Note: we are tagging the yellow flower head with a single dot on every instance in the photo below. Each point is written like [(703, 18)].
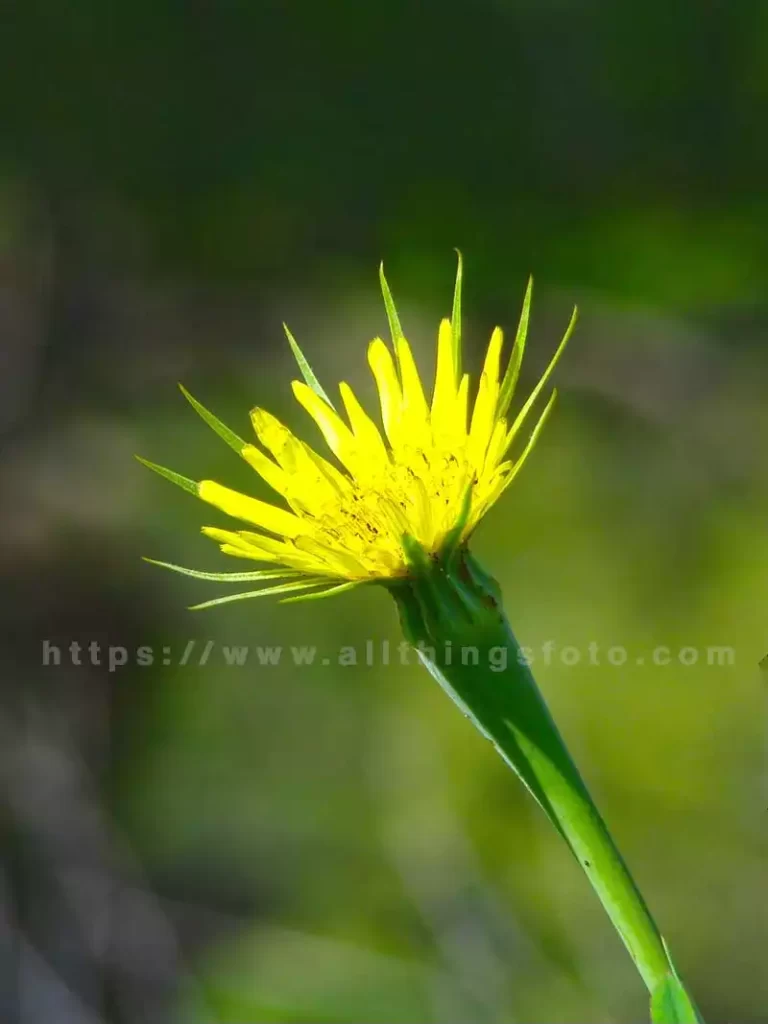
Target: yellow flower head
[(426, 480)]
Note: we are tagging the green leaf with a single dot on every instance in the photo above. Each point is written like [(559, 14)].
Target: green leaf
[(226, 577), (319, 594), (545, 376), (389, 305), (456, 320), (283, 588), (176, 478), (512, 372), (519, 462), (231, 438), (670, 1003), (306, 370)]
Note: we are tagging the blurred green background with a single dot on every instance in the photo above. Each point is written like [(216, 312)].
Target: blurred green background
[(190, 843)]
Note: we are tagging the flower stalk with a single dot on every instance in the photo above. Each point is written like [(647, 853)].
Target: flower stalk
[(453, 605)]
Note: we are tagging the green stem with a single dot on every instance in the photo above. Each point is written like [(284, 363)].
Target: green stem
[(458, 606)]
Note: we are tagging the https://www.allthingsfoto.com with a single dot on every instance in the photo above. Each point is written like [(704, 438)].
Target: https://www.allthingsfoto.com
[(373, 653)]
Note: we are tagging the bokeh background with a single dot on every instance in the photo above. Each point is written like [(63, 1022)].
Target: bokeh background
[(187, 843)]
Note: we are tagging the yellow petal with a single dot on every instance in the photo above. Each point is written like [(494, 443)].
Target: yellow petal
[(276, 520), (337, 434), (313, 480), (415, 412), (283, 550), (444, 395), (335, 560), (363, 427), (266, 468), (484, 413), (273, 434), (391, 398), (460, 408), (260, 548), (235, 543), (326, 476), (246, 552), (422, 513), (231, 537)]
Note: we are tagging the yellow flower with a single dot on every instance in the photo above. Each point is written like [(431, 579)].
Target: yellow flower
[(428, 478)]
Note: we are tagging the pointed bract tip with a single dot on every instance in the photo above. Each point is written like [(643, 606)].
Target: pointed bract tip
[(393, 319), (306, 370), (175, 478)]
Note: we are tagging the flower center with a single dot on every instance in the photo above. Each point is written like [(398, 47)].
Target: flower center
[(420, 494)]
